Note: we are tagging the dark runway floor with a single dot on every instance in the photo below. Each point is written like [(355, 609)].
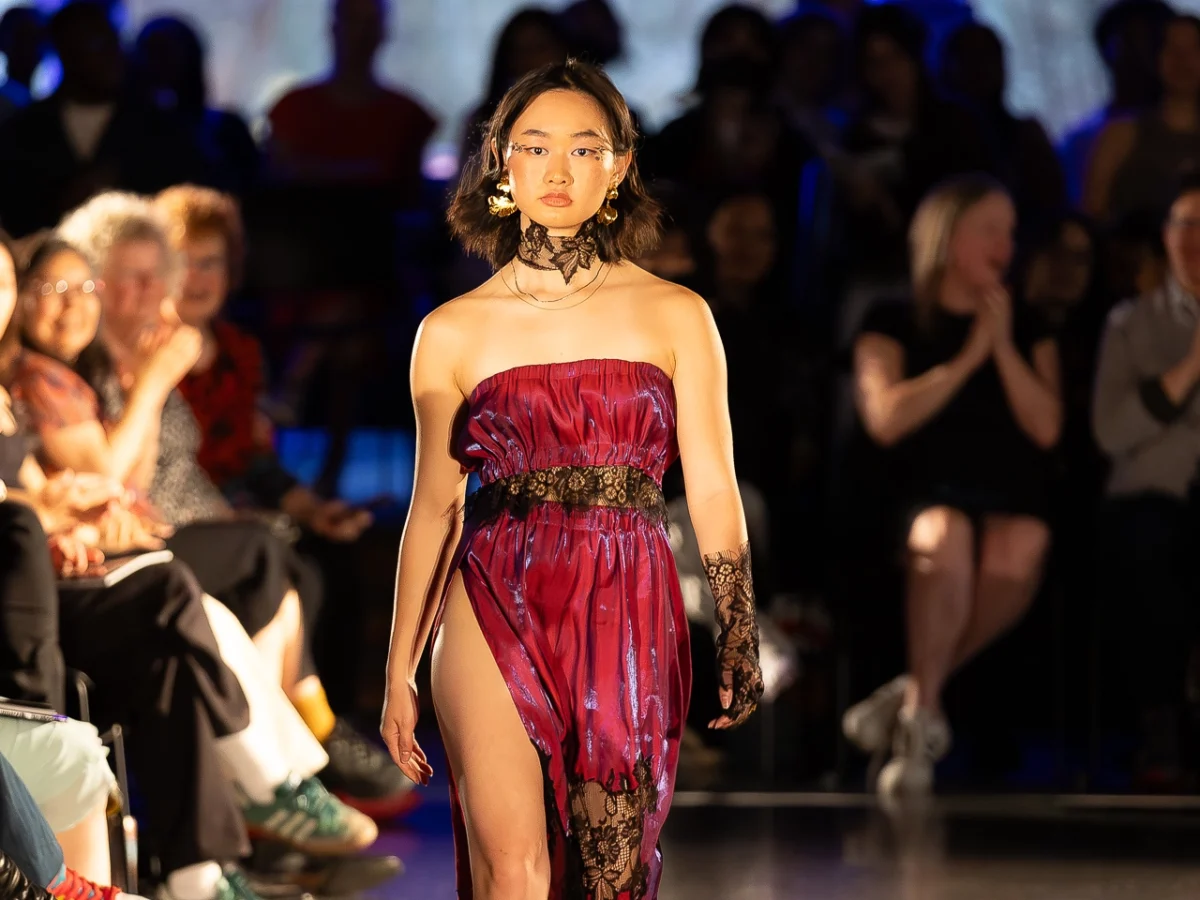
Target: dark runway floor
[(835, 846)]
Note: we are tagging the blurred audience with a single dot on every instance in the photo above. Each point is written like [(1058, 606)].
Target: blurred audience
[(532, 38), (1127, 35), (88, 136), (964, 390), (23, 43), (349, 128), (973, 72), (1147, 419), (168, 72), (903, 140), (1138, 159)]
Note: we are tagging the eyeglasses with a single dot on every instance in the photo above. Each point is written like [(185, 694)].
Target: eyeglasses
[(64, 288)]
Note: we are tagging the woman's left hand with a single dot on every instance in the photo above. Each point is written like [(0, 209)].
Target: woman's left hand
[(71, 555), (998, 305)]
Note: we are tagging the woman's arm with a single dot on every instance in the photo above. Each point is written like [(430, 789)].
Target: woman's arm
[(433, 527), (715, 503), (1033, 391), (892, 406), (119, 453)]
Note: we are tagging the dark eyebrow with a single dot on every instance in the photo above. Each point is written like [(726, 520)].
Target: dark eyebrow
[(588, 133)]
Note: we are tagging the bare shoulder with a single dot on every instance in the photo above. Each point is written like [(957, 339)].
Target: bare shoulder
[(449, 330), (677, 304)]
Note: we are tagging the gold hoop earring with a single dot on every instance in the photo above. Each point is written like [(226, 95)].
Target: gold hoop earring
[(607, 214), (502, 204)]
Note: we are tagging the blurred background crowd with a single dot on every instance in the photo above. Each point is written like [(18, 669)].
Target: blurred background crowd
[(303, 250)]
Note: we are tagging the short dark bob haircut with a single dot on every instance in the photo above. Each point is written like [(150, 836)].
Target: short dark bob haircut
[(636, 230)]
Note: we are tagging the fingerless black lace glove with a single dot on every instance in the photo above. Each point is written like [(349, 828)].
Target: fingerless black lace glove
[(737, 643)]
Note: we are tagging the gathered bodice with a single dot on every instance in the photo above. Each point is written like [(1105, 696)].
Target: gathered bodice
[(595, 412)]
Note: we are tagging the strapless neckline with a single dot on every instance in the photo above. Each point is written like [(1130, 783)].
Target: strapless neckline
[(575, 368)]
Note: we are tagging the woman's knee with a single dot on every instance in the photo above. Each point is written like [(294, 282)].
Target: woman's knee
[(941, 541), (1014, 549), (516, 874)]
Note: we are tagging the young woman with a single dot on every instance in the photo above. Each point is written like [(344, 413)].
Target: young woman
[(965, 391), (569, 380)]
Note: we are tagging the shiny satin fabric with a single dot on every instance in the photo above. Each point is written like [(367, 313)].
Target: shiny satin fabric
[(582, 611)]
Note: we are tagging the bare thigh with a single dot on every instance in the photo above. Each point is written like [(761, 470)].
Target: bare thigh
[(496, 769)]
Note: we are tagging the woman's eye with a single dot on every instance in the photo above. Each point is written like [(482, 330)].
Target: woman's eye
[(586, 151)]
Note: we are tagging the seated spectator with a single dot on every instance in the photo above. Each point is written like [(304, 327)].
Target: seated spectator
[(32, 865), (23, 43), (87, 136), (147, 644), (130, 385), (964, 389), (974, 72), (227, 381), (532, 38), (169, 74), (223, 390), (65, 767), (1140, 158), (904, 140), (1127, 35), (1146, 417), (349, 128)]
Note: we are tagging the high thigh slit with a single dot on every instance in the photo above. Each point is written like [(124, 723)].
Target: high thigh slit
[(567, 567)]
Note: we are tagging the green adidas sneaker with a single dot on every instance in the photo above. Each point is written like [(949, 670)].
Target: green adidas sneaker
[(308, 818)]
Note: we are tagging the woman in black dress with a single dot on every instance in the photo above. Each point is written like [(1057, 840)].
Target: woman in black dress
[(964, 391)]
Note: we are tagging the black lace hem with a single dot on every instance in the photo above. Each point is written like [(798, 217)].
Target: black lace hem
[(572, 487)]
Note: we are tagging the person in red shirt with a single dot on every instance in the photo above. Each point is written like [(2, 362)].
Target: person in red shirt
[(349, 128), (223, 390)]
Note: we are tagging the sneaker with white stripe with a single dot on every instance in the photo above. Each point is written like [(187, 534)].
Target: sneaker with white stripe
[(307, 817)]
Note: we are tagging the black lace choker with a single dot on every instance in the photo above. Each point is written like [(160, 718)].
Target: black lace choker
[(539, 250)]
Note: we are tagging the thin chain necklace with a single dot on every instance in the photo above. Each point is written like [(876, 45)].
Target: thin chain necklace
[(571, 293), (542, 304)]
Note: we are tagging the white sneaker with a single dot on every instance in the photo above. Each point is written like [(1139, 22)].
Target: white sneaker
[(869, 724), (921, 739)]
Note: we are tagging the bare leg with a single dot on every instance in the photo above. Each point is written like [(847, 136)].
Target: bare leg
[(941, 552), (279, 640), (85, 847), (1012, 551), (496, 769)]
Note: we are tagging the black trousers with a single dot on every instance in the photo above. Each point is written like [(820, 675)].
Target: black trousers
[(147, 645), (249, 569), (1150, 596)]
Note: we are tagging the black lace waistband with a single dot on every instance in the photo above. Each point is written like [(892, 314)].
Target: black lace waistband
[(572, 487)]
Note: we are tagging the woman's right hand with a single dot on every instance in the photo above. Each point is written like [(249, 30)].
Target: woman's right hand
[(398, 726), (170, 354), (978, 348)]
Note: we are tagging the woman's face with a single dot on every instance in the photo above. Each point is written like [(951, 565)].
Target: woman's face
[(135, 285), (63, 312), (981, 247), (1061, 272), (742, 236), (560, 160), (1179, 60), (889, 73), (206, 279)]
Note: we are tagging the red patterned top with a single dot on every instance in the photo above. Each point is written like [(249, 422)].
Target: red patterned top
[(53, 395), (224, 399)]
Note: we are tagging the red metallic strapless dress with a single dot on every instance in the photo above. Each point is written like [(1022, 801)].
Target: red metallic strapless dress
[(566, 562)]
